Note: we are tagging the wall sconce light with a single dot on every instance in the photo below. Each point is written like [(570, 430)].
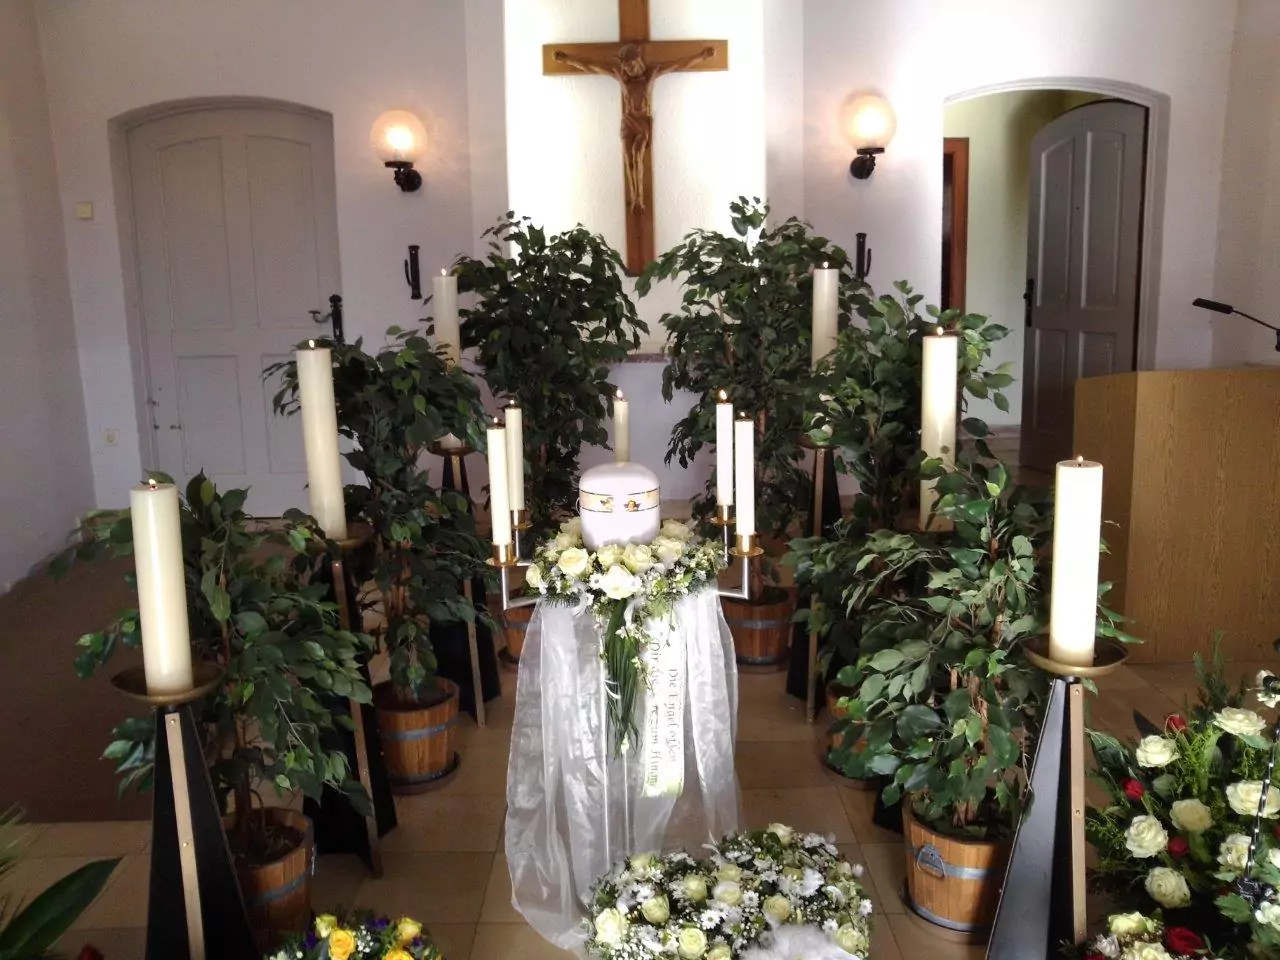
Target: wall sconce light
[(869, 124), (398, 138)]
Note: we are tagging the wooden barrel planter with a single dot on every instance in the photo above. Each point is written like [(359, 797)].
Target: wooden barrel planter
[(419, 740), (834, 692), (278, 894), (953, 884), (515, 623), (762, 631)]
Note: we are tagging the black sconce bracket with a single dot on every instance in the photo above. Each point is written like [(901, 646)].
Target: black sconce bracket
[(865, 162), (407, 178)]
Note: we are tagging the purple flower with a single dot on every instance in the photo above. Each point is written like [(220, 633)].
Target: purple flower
[(379, 924), (309, 942)]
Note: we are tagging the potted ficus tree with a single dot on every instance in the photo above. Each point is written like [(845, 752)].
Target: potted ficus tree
[(256, 612), (744, 326), (867, 403), (550, 314), (394, 405)]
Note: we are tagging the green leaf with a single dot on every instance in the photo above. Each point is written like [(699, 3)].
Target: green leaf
[(917, 721), (46, 918), (216, 595), (886, 660)]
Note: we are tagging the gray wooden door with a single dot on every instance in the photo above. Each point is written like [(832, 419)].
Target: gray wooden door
[(1083, 247), (237, 240)]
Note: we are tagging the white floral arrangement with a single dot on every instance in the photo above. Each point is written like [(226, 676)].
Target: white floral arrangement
[(1137, 936), (625, 587), (771, 894)]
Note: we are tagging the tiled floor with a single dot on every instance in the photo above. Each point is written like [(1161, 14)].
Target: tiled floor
[(445, 866)]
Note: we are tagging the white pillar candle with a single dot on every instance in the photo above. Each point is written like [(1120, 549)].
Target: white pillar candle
[(499, 498), (744, 451), (162, 587), (515, 455), (445, 299), (724, 451), (621, 429), (1077, 535), (320, 437), (938, 402), (826, 311)]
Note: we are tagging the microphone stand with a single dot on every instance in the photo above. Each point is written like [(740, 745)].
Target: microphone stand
[(1218, 307)]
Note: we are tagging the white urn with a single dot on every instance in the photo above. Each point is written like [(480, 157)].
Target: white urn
[(619, 503)]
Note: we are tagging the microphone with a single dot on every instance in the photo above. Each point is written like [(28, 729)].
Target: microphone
[(1213, 305), (1219, 307)]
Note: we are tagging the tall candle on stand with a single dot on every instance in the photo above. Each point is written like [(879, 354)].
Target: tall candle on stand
[(515, 455), (938, 401), (1077, 535), (320, 438), (162, 588), (621, 428), (499, 498), (826, 310), (724, 451), (445, 289), (744, 452)]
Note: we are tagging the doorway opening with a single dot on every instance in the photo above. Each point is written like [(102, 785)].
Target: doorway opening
[(1044, 207)]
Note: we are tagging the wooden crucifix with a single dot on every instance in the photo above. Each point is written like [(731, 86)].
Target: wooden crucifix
[(636, 62)]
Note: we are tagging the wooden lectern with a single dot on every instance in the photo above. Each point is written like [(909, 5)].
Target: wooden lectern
[(1191, 502)]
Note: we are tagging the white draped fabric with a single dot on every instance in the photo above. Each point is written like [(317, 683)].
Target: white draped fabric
[(574, 807)]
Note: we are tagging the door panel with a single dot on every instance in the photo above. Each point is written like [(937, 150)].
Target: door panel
[(1083, 244), (237, 241)]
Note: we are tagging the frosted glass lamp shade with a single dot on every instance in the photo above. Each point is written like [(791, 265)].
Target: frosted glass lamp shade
[(398, 136), (869, 121)]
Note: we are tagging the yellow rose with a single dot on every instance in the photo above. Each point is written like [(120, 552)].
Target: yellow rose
[(407, 929), (777, 908), (397, 954), (326, 923), (341, 944), (730, 871), (637, 557), (691, 943), (574, 562)]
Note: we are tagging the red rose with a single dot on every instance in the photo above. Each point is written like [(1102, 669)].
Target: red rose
[(1175, 722), (1179, 847), (1133, 790), (1183, 941)]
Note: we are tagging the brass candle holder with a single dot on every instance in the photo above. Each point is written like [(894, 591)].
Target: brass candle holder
[(195, 908)]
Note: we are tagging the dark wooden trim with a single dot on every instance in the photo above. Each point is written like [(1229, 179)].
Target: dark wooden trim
[(957, 148)]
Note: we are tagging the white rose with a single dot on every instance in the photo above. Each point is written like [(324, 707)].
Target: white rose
[(643, 862), (574, 562), (564, 541), (1130, 924), (784, 833), (1145, 951), (656, 909), (1265, 697), (777, 908), (619, 583), (572, 526), (1234, 852), (730, 871), (720, 951), (851, 940), (533, 577), (637, 557), (611, 927), (1246, 795), (1145, 837), (1268, 913), (727, 892), (676, 530), (695, 888), (668, 550), (1239, 721), (1191, 816), (609, 554), (1156, 751), (1168, 888), (691, 943)]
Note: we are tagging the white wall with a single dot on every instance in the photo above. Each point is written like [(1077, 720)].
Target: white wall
[(1249, 221), (104, 58), (918, 53), (999, 129), (45, 483)]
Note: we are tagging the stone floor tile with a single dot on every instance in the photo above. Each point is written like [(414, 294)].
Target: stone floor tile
[(114, 943), (430, 887), (779, 765), (440, 821), (887, 868), (812, 809), (509, 941), (497, 898), (336, 882), (115, 838)]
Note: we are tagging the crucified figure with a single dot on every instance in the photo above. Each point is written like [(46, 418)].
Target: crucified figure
[(636, 77)]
